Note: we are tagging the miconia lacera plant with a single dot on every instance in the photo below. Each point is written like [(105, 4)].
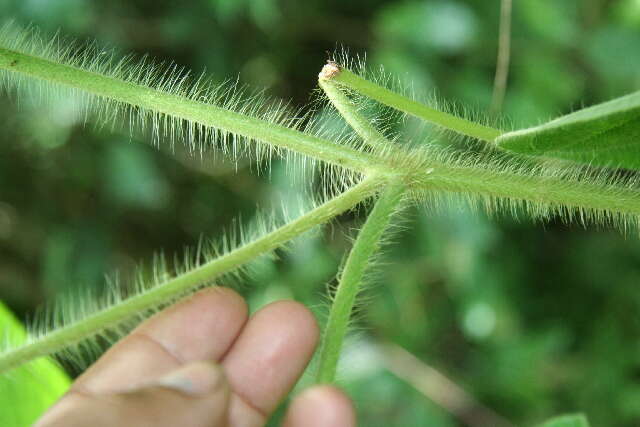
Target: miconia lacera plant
[(567, 168)]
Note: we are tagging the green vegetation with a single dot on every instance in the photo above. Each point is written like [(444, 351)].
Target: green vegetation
[(33, 387), (489, 309)]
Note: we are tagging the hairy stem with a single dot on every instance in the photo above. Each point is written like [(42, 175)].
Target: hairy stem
[(181, 107), (385, 96), (348, 111), (470, 178), (69, 334), (537, 190), (365, 246)]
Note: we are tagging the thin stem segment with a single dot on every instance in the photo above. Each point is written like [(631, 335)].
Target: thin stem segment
[(347, 109), (183, 108), (385, 96), (366, 244), (504, 53), (111, 316)]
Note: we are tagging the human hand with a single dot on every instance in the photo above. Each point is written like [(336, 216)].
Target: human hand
[(203, 362)]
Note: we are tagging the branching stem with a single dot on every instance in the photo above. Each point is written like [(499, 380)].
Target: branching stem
[(385, 96), (470, 178), (393, 169), (72, 333)]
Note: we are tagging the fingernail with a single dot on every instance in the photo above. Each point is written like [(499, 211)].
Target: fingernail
[(195, 379)]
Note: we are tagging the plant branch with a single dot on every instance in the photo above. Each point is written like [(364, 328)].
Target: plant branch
[(543, 192), (421, 175), (366, 244), (504, 53), (385, 96), (180, 285), (589, 198), (181, 107), (348, 111)]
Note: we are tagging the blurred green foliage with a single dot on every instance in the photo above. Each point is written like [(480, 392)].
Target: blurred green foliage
[(31, 388), (531, 319), (572, 420)]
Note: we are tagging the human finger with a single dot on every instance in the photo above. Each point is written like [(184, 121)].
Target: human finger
[(203, 327), (321, 406), (193, 395), (268, 358)]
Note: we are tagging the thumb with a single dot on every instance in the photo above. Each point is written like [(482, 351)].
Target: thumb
[(196, 394)]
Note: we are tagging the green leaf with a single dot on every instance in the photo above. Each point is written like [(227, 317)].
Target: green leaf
[(606, 134), (28, 391), (569, 420)]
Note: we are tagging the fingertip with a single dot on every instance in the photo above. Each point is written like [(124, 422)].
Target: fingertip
[(270, 355), (215, 296), (297, 314), (321, 406)]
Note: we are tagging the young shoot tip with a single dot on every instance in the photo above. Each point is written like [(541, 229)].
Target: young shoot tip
[(329, 71)]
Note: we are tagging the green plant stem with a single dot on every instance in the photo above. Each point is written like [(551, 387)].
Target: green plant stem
[(385, 96), (183, 108), (537, 190), (366, 244), (504, 54), (101, 320), (470, 178), (348, 111)]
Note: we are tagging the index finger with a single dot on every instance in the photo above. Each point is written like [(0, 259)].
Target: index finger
[(203, 327)]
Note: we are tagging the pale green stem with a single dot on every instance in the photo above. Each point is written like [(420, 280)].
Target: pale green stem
[(434, 176), (101, 320), (553, 191), (385, 96), (348, 111), (366, 244), (183, 108)]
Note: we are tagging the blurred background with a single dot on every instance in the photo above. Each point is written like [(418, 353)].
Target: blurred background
[(525, 320)]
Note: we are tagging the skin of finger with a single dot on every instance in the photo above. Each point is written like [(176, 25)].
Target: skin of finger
[(321, 406), (202, 327), (268, 358), (153, 406)]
